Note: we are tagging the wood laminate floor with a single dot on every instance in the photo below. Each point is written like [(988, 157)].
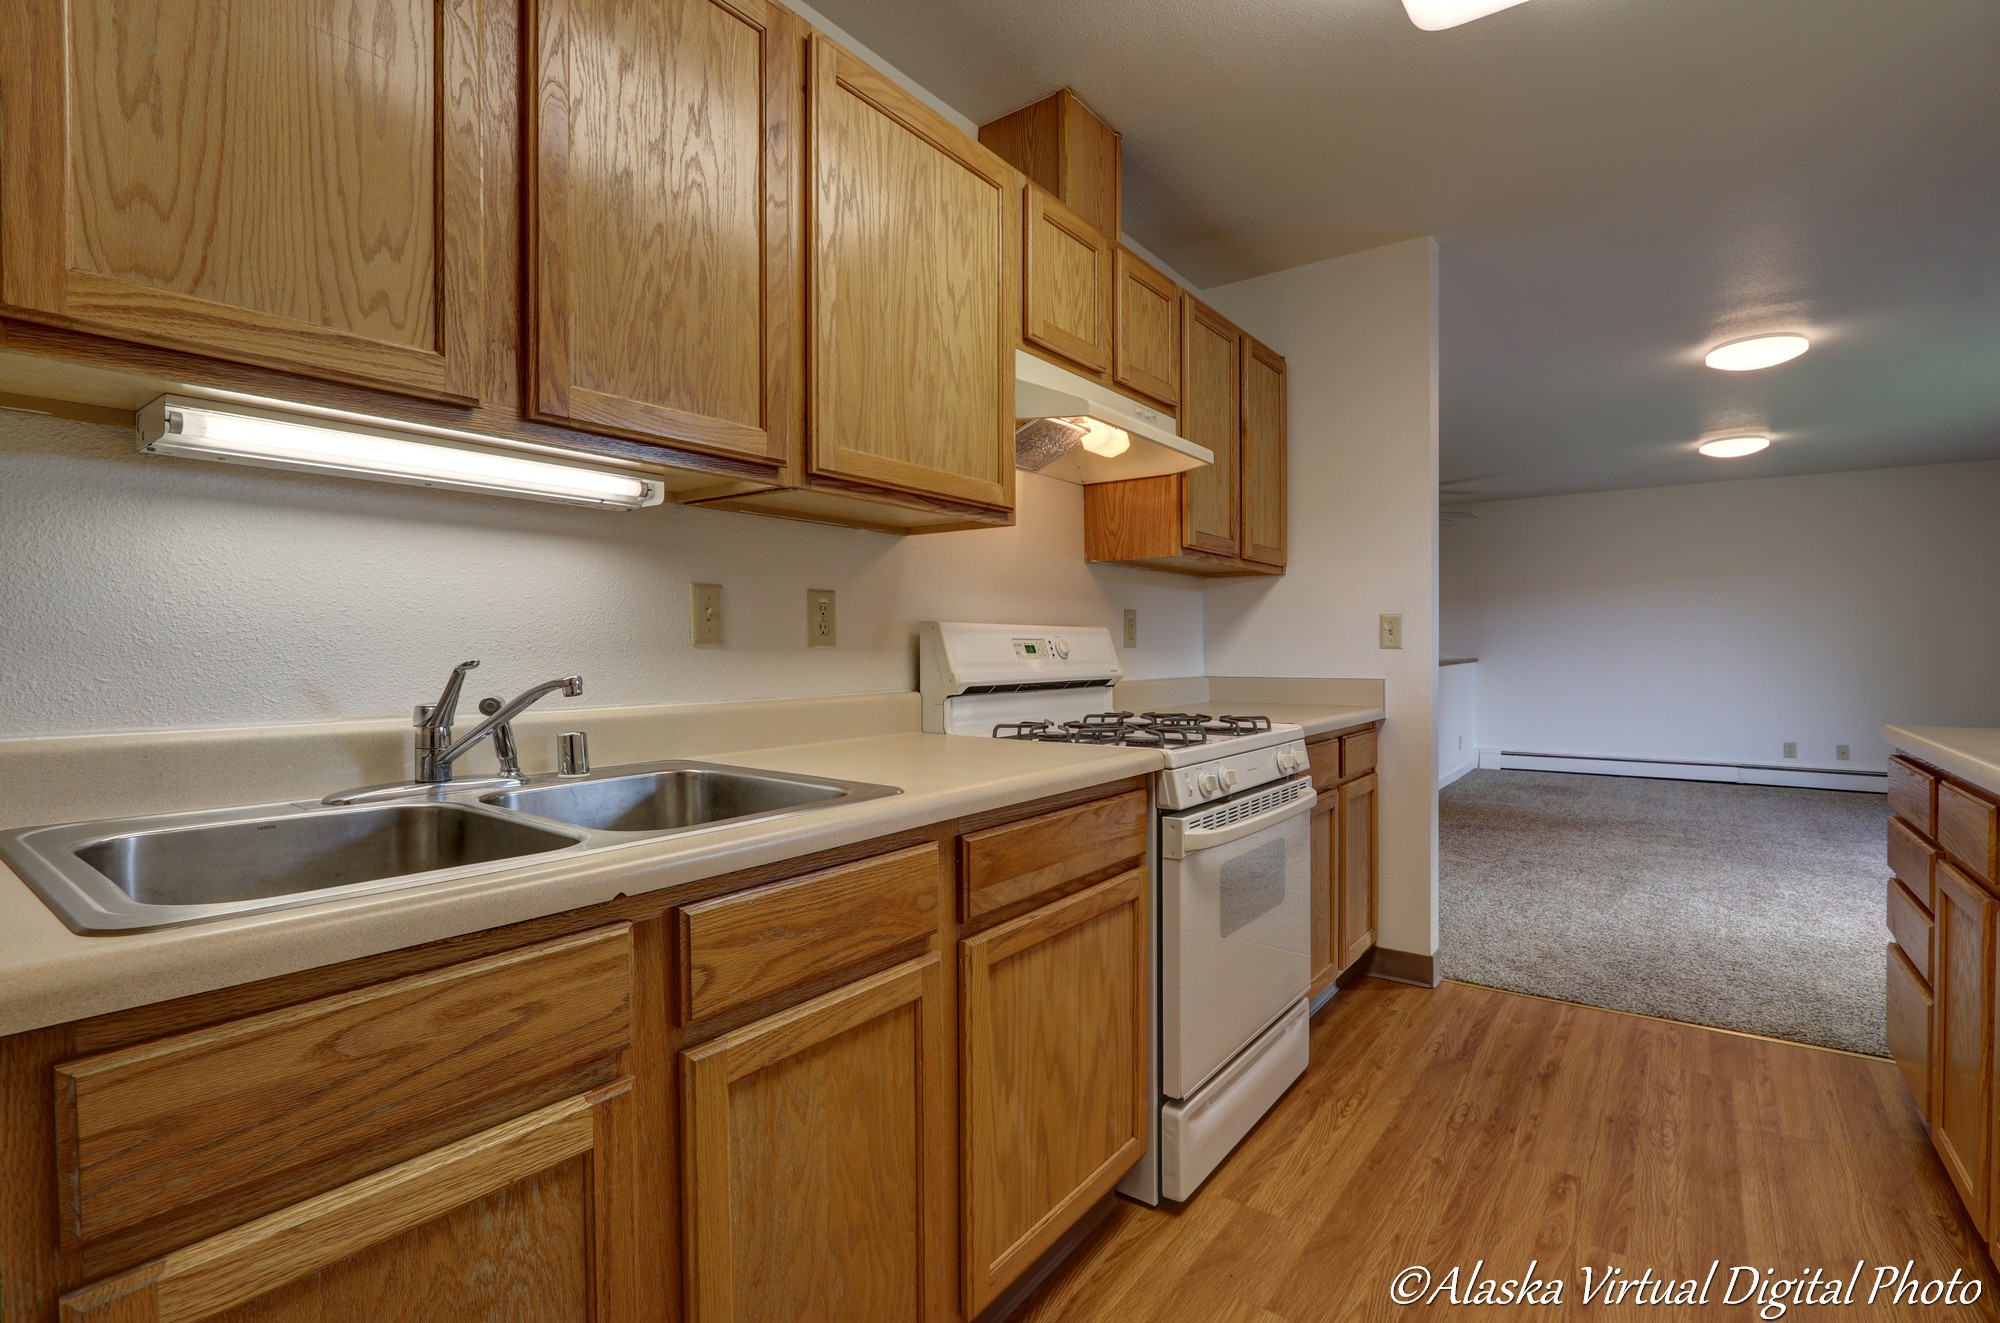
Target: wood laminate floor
[(1439, 1128)]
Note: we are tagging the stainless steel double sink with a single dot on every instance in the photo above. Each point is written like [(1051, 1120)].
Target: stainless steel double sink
[(156, 872)]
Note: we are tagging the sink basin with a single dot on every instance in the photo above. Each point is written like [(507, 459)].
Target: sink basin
[(150, 873), (676, 797)]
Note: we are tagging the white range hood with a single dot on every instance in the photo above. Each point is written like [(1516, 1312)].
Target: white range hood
[(1055, 409)]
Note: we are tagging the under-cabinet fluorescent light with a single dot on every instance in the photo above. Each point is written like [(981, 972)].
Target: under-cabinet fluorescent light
[(203, 429), (1437, 15), (1759, 351), (1734, 447)]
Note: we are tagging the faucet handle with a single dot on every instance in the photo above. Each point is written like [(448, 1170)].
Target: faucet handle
[(421, 714), (447, 705)]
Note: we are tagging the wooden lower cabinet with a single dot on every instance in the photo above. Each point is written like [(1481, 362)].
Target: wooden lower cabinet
[(1908, 1027), (1325, 868), (529, 1219), (1053, 1095), (1963, 1040), (1355, 882), (817, 1167)]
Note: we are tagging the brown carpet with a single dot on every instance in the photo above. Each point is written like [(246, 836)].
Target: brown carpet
[(1745, 907)]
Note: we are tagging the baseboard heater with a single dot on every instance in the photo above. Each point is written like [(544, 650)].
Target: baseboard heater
[(1749, 774)]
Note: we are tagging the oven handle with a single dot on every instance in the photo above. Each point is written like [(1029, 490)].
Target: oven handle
[(1179, 841)]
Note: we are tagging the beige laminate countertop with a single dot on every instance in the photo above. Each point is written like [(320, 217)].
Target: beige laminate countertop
[(1970, 752), (1318, 719), (49, 974)]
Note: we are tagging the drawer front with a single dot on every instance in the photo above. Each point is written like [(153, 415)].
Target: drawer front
[(203, 1116), (1969, 830), (1357, 754), (1913, 795), (1911, 928), (1909, 1028), (1914, 861), (1005, 865), (1325, 758), (742, 948)]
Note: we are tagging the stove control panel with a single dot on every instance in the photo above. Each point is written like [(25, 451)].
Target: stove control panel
[(1219, 778)]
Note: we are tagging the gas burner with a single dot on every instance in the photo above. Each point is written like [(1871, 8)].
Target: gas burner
[(1046, 731), (1175, 718), (1242, 725), (1101, 719), (1222, 727)]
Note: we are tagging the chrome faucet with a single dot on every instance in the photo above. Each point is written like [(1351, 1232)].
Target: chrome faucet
[(434, 763)]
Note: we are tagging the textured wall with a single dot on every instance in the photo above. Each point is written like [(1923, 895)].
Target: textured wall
[(146, 593), (1713, 623)]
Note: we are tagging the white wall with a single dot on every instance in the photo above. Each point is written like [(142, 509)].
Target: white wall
[(1457, 721), (1360, 336), (1712, 623), (145, 593)]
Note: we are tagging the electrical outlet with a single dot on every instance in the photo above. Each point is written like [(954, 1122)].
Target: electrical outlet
[(1840, 753), (1791, 749), (1392, 631), (1131, 628), (819, 617), (705, 614)]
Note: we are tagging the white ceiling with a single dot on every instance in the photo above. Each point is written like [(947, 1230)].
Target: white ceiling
[(1615, 185)]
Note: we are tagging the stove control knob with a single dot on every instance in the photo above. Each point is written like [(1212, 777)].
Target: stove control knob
[(1229, 776), (1060, 647), (1209, 785), (1285, 763)]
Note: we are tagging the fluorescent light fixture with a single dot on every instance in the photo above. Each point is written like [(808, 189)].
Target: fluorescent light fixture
[(1437, 15), (1759, 351), (1101, 438), (1734, 447), (235, 434)]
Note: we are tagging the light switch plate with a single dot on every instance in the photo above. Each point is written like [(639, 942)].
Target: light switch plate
[(1131, 628), (1392, 631), (819, 617), (705, 614), (1791, 748)]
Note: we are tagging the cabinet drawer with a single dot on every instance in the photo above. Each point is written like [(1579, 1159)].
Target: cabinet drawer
[(1913, 795), (1911, 928), (206, 1116), (1909, 1028), (1912, 860), (1005, 865), (741, 948), (1325, 758), (1357, 754), (1968, 831)]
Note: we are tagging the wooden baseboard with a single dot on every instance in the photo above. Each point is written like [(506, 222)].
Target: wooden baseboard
[(1397, 966)]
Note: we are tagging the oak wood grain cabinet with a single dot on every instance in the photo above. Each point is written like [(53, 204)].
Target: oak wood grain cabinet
[(1265, 423), (1054, 1098), (662, 221), (1146, 334), (266, 184), (817, 1155), (1067, 152), (1325, 866), (1356, 886), (1963, 984), (1908, 1024), (1066, 283)]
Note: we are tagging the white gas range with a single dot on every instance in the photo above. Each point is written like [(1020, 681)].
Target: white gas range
[(1231, 856)]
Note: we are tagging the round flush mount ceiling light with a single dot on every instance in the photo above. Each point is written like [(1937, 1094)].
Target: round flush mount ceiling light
[(1734, 447), (1759, 351), (1437, 15)]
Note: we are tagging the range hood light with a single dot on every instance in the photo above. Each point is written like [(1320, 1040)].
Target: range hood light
[(1437, 15), (203, 429), (1102, 438)]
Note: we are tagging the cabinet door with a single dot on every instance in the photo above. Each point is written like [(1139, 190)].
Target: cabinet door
[(1211, 415), (817, 1159), (912, 280), (530, 1219), (1963, 1046), (1053, 1102), (1325, 871), (1264, 424), (1909, 1022), (293, 186), (1067, 278), (662, 246), (1147, 345), (1355, 890)]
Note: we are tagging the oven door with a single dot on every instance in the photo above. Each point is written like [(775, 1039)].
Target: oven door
[(1235, 925)]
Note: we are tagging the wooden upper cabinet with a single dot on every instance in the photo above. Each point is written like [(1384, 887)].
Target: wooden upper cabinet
[(913, 274), (1264, 442), (1211, 415), (1147, 341), (1066, 150), (663, 248), (818, 1160), (532, 1218), (1067, 282), (1054, 1096), (298, 187)]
